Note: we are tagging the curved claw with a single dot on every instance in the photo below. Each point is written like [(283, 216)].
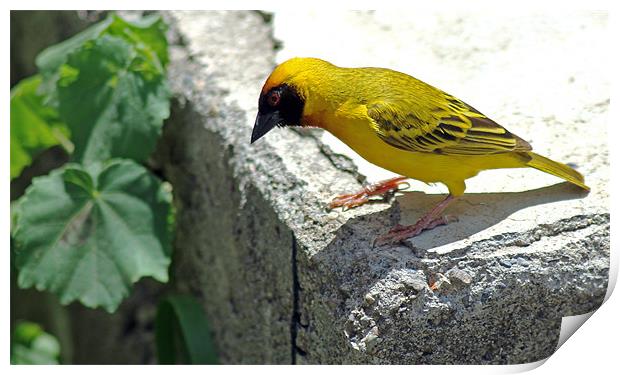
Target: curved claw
[(347, 201), (401, 233), (428, 221), (384, 188)]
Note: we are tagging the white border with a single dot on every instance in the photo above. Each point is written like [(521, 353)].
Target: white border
[(592, 349)]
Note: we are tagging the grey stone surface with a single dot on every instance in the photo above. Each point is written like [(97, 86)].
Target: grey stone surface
[(231, 248), (283, 280)]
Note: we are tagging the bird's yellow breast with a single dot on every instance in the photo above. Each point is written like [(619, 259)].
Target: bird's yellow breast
[(353, 128)]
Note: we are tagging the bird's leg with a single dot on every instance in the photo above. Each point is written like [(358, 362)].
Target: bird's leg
[(380, 188), (430, 220)]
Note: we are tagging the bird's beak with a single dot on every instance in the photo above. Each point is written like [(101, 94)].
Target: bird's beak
[(264, 123)]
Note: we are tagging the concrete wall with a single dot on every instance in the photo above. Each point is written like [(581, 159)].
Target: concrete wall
[(280, 275)]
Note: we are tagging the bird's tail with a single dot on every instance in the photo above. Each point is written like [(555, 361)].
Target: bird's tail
[(557, 169)]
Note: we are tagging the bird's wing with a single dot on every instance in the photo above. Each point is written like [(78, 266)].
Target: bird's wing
[(444, 126)]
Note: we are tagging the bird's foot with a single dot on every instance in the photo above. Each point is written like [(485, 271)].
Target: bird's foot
[(400, 233), (384, 188)]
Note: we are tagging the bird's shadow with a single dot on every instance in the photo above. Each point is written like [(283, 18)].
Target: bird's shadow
[(476, 212)]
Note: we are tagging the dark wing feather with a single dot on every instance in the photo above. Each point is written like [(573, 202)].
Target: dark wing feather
[(448, 126)]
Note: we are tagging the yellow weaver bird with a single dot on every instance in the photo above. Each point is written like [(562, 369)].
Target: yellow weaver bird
[(398, 123)]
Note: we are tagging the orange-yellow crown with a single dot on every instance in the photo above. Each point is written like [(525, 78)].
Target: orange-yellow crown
[(291, 71)]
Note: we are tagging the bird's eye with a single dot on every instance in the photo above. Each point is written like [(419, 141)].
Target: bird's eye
[(274, 98)]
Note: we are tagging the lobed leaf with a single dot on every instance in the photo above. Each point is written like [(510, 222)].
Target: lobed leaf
[(113, 99), (88, 233), (148, 34)]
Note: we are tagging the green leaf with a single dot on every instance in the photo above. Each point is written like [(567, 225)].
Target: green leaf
[(113, 99), (182, 332), (147, 35), (34, 126), (51, 58), (30, 345), (88, 233)]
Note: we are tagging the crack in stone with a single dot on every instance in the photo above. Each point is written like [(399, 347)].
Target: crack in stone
[(295, 317)]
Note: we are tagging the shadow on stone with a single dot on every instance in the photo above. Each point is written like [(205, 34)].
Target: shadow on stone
[(476, 212), (479, 211)]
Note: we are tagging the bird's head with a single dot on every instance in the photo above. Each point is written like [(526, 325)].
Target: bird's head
[(283, 97)]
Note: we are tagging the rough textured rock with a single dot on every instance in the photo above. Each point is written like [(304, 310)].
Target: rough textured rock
[(283, 280), (231, 247)]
